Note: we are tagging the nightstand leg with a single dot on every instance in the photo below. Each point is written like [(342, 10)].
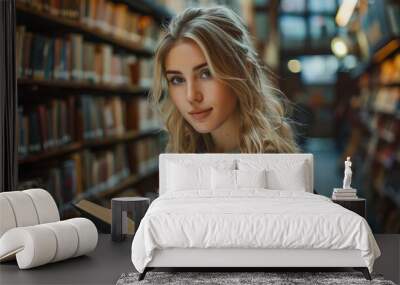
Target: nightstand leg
[(364, 271), (142, 275)]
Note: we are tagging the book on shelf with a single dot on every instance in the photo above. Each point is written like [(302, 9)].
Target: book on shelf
[(62, 181), (105, 169), (46, 125), (103, 116), (146, 153), (60, 122), (107, 16), (70, 57)]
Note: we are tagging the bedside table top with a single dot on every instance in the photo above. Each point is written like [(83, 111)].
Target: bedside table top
[(130, 199)]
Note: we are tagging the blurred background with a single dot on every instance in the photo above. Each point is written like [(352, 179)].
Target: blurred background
[(85, 130)]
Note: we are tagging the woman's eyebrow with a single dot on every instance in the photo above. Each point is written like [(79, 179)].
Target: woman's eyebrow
[(194, 68)]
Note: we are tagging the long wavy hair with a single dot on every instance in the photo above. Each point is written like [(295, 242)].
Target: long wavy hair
[(227, 47)]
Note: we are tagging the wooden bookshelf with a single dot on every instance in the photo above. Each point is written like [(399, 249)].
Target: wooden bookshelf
[(76, 86), (129, 136), (375, 120), (128, 182), (57, 152), (131, 181), (378, 57), (75, 26), (69, 112)]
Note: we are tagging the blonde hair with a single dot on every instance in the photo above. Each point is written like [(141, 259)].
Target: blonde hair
[(226, 44)]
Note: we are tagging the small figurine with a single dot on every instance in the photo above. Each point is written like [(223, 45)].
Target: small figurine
[(347, 174)]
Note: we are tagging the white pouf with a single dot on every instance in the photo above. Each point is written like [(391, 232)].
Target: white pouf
[(46, 207), (7, 218), (31, 230), (40, 244)]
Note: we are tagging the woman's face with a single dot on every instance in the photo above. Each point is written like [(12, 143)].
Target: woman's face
[(205, 102)]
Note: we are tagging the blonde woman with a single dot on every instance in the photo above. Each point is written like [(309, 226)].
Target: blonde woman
[(219, 98)]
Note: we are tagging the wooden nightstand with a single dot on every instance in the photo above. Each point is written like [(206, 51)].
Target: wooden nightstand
[(358, 205)]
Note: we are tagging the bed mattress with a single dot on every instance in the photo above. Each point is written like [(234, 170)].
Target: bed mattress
[(252, 219)]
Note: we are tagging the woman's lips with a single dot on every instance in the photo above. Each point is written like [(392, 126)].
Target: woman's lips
[(202, 115)]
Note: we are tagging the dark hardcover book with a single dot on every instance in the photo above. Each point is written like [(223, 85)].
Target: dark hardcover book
[(86, 116), (22, 141), (54, 124), (38, 56), (64, 122), (71, 117), (68, 181), (49, 61), (34, 135), (41, 110), (50, 133), (27, 64)]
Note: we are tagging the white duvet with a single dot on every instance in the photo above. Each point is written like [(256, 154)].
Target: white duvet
[(251, 218)]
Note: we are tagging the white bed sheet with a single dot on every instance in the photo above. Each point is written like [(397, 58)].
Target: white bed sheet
[(250, 218)]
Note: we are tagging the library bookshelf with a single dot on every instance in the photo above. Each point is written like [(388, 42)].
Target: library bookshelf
[(375, 139), (85, 129)]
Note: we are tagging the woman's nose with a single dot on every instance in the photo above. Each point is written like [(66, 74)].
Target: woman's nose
[(193, 92)]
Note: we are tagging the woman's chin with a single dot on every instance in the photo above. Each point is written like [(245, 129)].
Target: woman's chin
[(201, 128)]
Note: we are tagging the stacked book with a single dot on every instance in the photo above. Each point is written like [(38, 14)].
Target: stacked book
[(344, 194)]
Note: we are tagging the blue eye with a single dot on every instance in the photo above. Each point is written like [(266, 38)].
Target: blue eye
[(173, 82), (207, 72)]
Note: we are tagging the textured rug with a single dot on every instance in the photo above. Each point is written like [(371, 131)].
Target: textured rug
[(229, 278)]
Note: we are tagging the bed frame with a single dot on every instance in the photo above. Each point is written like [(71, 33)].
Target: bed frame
[(242, 259)]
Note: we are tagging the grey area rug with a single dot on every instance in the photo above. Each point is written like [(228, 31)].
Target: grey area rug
[(225, 278)]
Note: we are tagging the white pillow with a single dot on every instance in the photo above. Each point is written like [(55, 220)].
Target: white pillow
[(186, 175), (223, 179), (293, 180), (251, 178), (237, 179), (282, 175)]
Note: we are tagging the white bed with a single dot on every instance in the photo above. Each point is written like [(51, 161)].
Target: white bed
[(203, 220)]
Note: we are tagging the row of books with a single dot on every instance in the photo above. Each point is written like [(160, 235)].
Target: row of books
[(59, 122), (381, 99), (108, 116), (148, 119), (146, 152), (385, 128), (90, 172), (72, 58), (62, 181), (107, 16), (45, 126), (105, 169), (103, 116)]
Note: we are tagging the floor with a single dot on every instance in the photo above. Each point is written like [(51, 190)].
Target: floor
[(102, 266), (110, 259)]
